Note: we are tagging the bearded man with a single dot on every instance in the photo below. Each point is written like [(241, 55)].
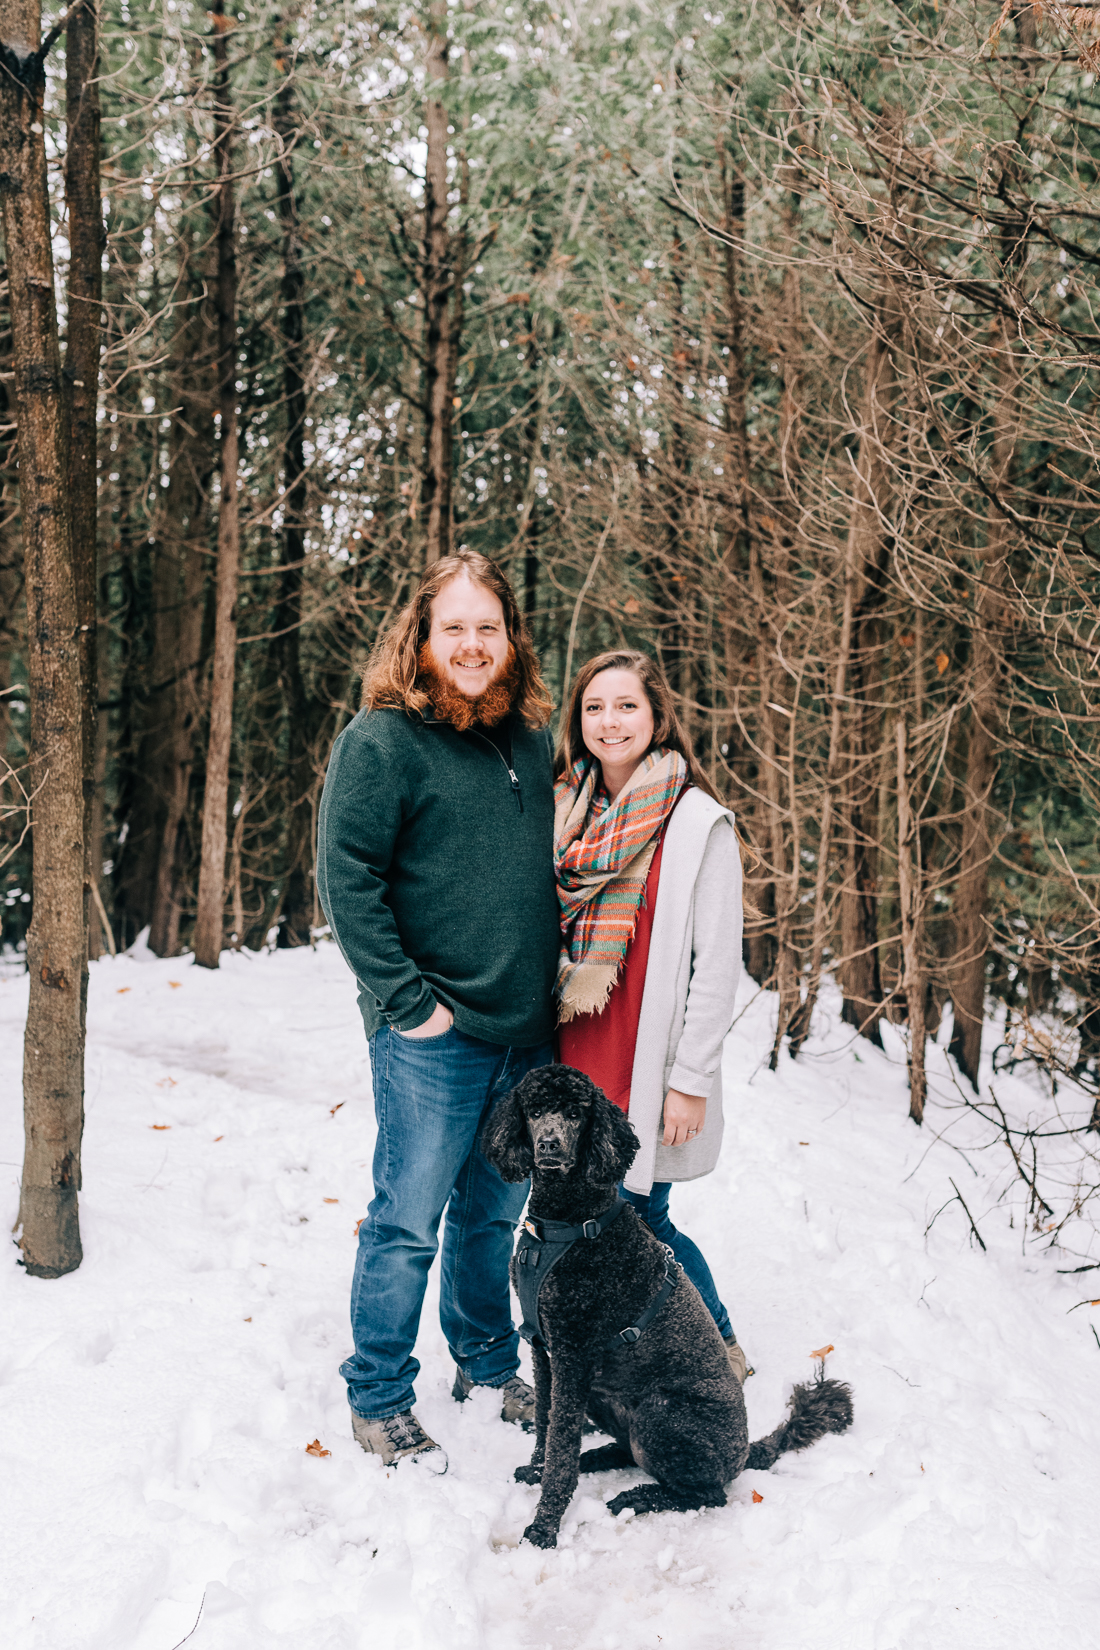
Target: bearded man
[(435, 870)]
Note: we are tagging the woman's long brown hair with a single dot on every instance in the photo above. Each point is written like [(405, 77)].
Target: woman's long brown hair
[(667, 727), (389, 676)]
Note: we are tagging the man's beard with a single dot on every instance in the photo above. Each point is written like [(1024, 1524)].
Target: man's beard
[(464, 710)]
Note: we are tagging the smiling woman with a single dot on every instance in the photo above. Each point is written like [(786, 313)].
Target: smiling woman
[(649, 885)]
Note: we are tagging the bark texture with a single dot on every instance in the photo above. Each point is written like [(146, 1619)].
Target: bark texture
[(911, 899), (57, 942), (298, 899), (971, 936), (81, 379), (867, 548), (179, 582), (443, 299), (209, 919)]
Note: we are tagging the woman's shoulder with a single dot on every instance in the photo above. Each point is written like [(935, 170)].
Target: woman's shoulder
[(699, 827), (699, 812)]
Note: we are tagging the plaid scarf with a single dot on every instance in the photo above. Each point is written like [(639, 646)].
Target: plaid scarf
[(602, 854)]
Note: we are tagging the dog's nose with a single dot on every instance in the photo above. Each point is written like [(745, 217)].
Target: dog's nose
[(549, 1145)]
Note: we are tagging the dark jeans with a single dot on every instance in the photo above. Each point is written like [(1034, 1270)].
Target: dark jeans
[(654, 1211), (431, 1096)]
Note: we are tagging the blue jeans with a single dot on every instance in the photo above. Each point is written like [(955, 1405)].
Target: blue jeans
[(654, 1211), (431, 1096)]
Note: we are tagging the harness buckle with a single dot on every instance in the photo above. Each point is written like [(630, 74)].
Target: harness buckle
[(532, 1226), (630, 1335), (591, 1228)]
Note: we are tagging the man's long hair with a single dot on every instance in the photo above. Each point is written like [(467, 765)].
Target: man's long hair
[(390, 675), (668, 730)]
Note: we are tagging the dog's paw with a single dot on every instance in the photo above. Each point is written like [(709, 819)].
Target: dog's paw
[(539, 1536), (623, 1503), (530, 1474)]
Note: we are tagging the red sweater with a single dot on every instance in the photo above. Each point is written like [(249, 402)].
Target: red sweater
[(602, 1045)]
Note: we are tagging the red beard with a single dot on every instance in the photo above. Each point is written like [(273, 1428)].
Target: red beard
[(460, 709)]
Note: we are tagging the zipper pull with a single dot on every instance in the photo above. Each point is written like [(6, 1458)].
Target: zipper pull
[(515, 787)]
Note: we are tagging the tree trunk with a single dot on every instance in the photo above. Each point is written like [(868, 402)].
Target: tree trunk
[(441, 284), (967, 969), (57, 942), (184, 557), (800, 1026), (859, 965), (81, 377), (209, 919), (299, 870), (911, 900), (180, 582)]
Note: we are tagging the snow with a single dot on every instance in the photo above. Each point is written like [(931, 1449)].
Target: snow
[(157, 1404)]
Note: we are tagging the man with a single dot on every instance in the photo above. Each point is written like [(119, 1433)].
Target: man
[(435, 870)]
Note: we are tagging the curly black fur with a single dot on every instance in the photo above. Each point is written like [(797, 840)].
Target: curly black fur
[(826, 1406), (670, 1401)]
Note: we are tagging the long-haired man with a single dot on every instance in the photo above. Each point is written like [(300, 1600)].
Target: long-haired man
[(435, 870)]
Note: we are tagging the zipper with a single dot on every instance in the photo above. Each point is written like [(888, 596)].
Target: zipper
[(513, 777), (508, 768)]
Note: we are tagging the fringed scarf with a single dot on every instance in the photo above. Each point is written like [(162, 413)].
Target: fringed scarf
[(602, 855)]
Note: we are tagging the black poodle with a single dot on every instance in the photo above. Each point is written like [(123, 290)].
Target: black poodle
[(666, 1395)]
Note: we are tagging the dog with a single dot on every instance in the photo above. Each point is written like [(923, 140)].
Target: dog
[(619, 1332)]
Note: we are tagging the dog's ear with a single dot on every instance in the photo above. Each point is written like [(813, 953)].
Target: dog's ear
[(505, 1142), (611, 1144)]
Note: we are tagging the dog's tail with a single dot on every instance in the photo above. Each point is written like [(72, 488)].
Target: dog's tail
[(826, 1406)]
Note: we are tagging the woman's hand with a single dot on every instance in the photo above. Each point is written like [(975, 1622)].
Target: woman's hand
[(441, 1020), (685, 1115)]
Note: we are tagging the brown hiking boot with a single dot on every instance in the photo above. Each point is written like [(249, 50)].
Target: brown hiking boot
[(398, 1438), (517, 1399), (738, 1362)]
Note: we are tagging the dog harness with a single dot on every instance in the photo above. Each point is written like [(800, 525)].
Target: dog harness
[(542, 1244)]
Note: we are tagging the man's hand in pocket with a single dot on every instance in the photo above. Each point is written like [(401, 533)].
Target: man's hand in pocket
[(441, 1020)]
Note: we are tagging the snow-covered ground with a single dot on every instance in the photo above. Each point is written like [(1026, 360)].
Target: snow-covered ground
[(156, 1405)]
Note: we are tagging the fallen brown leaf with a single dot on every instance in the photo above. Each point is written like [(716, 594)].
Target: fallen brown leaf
[(757, 1496), (823, 1351), (334, 1109), (248, 1320), (175, 984), (330, 1200), (166, 1083), (218, 1137), (359, 1223), (315, 1448), (160, 1125), (123, 989), (942, 662)]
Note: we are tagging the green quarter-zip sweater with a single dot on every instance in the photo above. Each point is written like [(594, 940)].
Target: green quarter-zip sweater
[(435, 870)]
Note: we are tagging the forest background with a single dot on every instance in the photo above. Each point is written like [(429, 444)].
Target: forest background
[(760, 337)]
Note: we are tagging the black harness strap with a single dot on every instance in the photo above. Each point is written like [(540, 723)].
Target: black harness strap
[(627, 1337), (543, 1243)]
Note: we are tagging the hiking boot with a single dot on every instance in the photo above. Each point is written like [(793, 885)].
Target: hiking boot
[(517, 1399), (398, 1438), (738, 1362)]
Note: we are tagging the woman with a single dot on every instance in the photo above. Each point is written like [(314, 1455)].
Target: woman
[(649, 883)]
